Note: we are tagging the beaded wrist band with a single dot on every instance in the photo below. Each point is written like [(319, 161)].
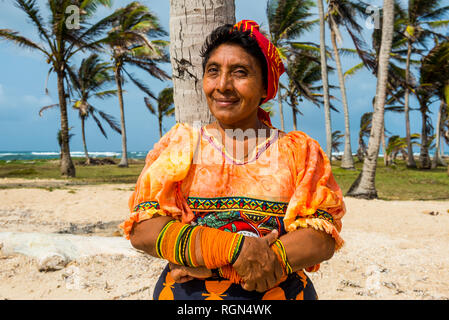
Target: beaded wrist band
[(176, 242), (279, 250)]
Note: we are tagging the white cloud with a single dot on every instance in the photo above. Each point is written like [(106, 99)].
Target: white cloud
[(40, 101)]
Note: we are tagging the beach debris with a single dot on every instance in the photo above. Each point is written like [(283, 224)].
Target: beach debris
[(73, 279), (105, 228), (38, 245), (52, 261), (348, 283), (430, 212), (390, 285), (372, 281)]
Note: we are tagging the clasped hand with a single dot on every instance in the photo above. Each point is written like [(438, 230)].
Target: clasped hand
[(257, 265)]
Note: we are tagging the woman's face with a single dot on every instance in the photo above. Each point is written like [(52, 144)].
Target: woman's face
[(233, 85)]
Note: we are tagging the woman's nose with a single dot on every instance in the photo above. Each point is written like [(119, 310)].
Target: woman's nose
[(224, 82)]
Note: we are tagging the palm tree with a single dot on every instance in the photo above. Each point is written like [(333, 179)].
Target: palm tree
[(364, 186), (344, 13), (304, 74), (422, 17), (61, 41), (165, 106), (434, 77), (324, 76), (129, 44), (288, 20), (89, 81), (336, 140), (191, 21), (364, 133), (424, 95)]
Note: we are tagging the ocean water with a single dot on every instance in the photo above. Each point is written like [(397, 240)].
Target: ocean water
[(37, 155)]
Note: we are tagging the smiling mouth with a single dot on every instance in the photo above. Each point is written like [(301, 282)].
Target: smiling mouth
[(226, 102)]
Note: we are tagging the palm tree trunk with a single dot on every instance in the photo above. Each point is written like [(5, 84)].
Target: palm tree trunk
[(364, 186), (424, 157), (118, 81), (67, 167), (384, 146), (83, 134), (294, 118), (191, 21), (347, 162), (160, 124), (324, 76), (410, 158), (437, 161), (281, 113)]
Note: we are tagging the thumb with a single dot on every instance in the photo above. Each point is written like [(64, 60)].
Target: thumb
[(271, 237)]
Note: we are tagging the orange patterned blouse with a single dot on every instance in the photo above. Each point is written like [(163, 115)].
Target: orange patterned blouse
[(286, 183)]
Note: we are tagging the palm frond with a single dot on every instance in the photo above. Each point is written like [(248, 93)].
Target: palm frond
[(98, 122), (21, 41), (46, 108), (149, 105), (140, 84), (32, 10), (111, 121), (352, 71)]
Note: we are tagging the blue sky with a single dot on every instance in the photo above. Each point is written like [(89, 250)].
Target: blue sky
[(22, 83)]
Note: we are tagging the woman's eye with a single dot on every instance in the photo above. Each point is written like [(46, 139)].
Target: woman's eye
[(240, 72), (212, 70)]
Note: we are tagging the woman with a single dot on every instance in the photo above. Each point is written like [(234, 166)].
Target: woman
[(237, 207)]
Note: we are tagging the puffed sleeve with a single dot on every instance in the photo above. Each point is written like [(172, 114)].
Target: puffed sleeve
[(317, 201), (157, 190)]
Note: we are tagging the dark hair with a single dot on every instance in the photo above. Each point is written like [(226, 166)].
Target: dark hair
[(226, 34)]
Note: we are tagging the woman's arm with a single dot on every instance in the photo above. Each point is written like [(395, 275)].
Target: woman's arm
[(256, 264), (306, 247), (144, 234)]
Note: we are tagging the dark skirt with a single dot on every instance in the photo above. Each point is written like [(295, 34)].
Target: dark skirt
[(296, 287)]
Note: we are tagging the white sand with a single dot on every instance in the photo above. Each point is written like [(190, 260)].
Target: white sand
[(394, 249)]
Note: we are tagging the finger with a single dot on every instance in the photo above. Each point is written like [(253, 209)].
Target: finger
[(184, 279), (248, 286), (175, 275), (261, 286), (271, 237), (271, 281), (278, 271)]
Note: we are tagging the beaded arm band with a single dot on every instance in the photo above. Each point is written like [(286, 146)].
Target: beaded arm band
[(176, 243)]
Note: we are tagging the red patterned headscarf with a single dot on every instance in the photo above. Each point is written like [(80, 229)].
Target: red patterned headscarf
[(275, 67)]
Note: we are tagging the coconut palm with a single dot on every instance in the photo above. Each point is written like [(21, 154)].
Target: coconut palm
[(164, 108), (364, 133), (324, 76), (364, 186), (61, 40), (343, 13), (87, 82), (287, 21), (304, 74), (422, 18), (191, 21), (396, 145), (129, 43), (434, 80), (336, 140), (424, 95)]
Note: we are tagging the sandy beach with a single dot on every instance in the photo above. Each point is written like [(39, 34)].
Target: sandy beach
[(393, 250)]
